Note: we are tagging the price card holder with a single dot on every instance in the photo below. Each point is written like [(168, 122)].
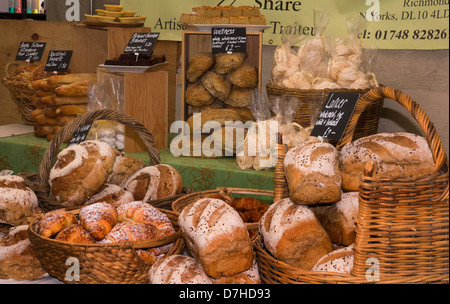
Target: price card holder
[(229, 40), (335, 115), (30, 51), (58, 61), (80, 134), (141, 43)]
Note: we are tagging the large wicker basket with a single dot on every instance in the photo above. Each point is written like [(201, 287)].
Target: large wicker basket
[(367, 125), (402, 230), (99, 263), (39, 182)]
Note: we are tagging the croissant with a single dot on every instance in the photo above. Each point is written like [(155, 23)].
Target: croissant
[(98, 219), (130, 232), (55, 221), (141, 212), (75, 234)]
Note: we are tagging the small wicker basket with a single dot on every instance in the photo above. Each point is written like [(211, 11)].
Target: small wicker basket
[(39, 182), (99, 263), (402, 224), (367, 125)]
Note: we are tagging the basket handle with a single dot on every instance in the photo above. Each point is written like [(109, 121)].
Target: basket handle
[(431, 135), (67, 130), (8, 68)]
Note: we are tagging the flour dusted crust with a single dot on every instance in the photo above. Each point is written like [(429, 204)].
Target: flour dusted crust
[(154, 182), (17, 259), (217, 237), (293, 235), (339, 261), (123, 167), (112, 194), (17, 202), (250, 276), (312, 173), (80, 170), (393, 154), (178, 269)]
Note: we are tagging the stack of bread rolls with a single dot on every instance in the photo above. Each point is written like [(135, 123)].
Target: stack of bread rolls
[(59, 99), (223, 15)]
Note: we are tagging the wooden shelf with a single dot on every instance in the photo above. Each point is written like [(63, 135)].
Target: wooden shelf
[(22, 16)]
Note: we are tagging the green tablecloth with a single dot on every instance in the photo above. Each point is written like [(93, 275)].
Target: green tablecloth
[(24, 153)]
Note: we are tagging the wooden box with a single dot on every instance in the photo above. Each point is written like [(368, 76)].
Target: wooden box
[(195, 42)]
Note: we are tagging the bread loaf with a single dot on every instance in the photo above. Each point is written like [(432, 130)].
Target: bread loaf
[(75, 234), (111, 194), (177, 269), (217, 237), (71, 78), (76, 89), (154, 182), (312, 173), (80, 170), (123, 167), (245, 76), (68, 100), (240, 98), (226, 63), (217, 85), (54, 221), (393, 155), (98, 219), (198, 66), (196, 95), (17, 201), (293, 235), (339, 261), (250, 276)]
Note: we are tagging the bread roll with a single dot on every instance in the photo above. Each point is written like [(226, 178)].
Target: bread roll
[(154, 182), (17, 201), (226, 63), (245, 77), (339, 261), (198, 66), (111, 194), (196, 95), (123, 167), (80, 170), (250, 276), (217, 85), (75, 234), (177, 269), (393, 155), (293, 235), (17, 258), (217, 237), (55, 221), (312, 173)]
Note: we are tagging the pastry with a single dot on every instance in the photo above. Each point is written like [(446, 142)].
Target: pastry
[(293, 235), (312, 173), (217, 85), (75, 234), (226, 63), (245, 76), (98, 219), (198, 66), (54, 221), (250, 209), (17, 201)]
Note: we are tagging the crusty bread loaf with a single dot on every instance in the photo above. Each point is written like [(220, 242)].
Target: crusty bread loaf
[(239, 98), (154, 182), (393, 155), (68, 110), (293, 235), (123, 167), (80, 170), (68, 100), (17, 258), (217, 85), (111, 194), (219, 115), (312, 173), (245, 76), (250, 276), (226, 63), (198, 66), (217, 237), (339, 260), (197, 96), (177, 269), (17, 201), (76, 234)]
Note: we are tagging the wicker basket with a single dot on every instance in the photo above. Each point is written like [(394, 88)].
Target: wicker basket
[(99, 263), (402, 224), (367, 125), (39, 182)]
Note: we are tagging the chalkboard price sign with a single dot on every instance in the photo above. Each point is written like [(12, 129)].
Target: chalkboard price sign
[(335, 115), (141, 43), (229, 40), (80, 134), (30, 51), (58, 61)]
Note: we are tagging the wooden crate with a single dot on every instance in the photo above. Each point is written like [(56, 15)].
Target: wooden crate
[(195, 42)]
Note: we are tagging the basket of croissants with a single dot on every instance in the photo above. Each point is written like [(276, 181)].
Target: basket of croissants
[(108, 211), (370, 210)]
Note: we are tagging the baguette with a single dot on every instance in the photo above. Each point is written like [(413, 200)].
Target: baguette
[(66, 110), (76, 89), (67, 100), (71, 78)]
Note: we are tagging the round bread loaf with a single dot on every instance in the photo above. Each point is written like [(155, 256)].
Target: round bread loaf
[(123, 167), (219, 115), (80, 170), (250, 276), (340, 261), (293, 235), (217, 85), (225, 63), (393, 154), (239, 97), (217, 237), (111, 194), (312, 173), (154, 182), (17, 202), (177, 269), (197, 96), (245, 76), (17, 259), (198, 66)]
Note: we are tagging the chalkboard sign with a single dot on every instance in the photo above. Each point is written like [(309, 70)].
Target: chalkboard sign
[(80, 134), (335, 115), (229, 40), (141, 43), (30, 51), (58, 61)]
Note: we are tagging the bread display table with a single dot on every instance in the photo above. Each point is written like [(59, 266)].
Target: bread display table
[(23, 153)]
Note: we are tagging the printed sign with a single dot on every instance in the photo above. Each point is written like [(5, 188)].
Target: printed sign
[(30, 51), (335, 115), (141, 43), (229, 40), (58, 61), (80, 134)]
